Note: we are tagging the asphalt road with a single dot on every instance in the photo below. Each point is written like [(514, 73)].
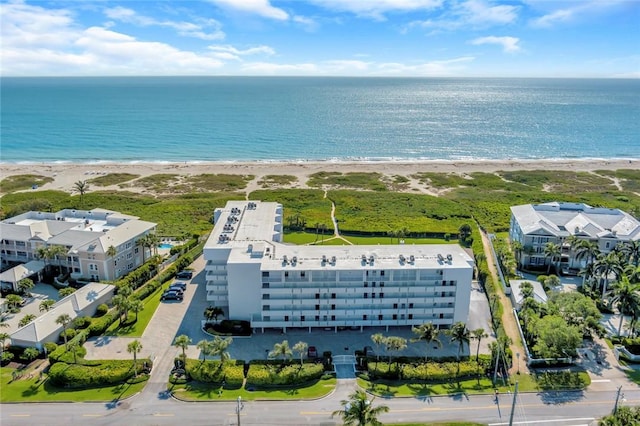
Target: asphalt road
[(154, 407)]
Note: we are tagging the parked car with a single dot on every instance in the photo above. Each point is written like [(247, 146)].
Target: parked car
[(368, 351), (179, 284), (176, 289), (312, 352), (171, 295), (185, 275)]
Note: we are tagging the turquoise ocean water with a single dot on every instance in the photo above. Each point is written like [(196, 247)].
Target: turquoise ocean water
[(148, 119)]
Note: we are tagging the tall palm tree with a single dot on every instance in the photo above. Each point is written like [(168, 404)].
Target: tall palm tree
[(517, 248), (182, 341), (300, 348), (478, 334), (213, 312), (134, 348), (378, 339), (25, 285), (206, 348), (3, 338), (57, 252), (45, 305), (142, 242), (112, 252), (626, 297), (64, 320), (136, 305), (428, 333), (395, 344), (459, 333), (81, 187), (219, 347), (358, 410), (152, 242), (632, 250), (551, 251), (606, 265), (281, 349), (44, 253), (588, 250)]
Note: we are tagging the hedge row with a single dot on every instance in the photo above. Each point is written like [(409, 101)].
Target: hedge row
[(424, 372), (270, 375), (80, 376), (210, 371), (193, 241)]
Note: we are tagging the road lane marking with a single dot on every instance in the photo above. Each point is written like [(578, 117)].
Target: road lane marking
[(600, 381), (20, 415), (579, 419)]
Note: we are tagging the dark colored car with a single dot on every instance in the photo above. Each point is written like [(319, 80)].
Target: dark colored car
[(368, 351), (179, 284), (185, 275), (312, 352), (176, 289), (171, 295)]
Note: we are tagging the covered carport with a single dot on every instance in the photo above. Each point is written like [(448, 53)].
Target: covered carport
[(10, 278)]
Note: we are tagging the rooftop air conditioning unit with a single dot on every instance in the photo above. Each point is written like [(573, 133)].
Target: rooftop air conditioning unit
[(449, 257), (333, 259), (440, 258), (412, 258)]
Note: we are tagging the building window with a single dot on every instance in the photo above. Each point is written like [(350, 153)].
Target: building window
[(401, 316), (317, 307), (286, 318), (267, 318), (381, 295), (373, 295), (333, 295), (317, 317), (381, 284), (136, 250), (333, 307), (366, 295), (286, 274), (265, 274), (410, 305), (265, 296), (302, 318), (265, 285), (130, 266), (382, 273), (410, 316), (373, 284), (302, 274), (333, 317), (380, 317), (364, 317), (266, 307), (366, 284), (395, 306), (317, 295), (441, 316), (395, 316), (129, 255)]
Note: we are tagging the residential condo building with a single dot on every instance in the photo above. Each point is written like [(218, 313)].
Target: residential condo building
[(535, 225), (85, 236), (254, 276)]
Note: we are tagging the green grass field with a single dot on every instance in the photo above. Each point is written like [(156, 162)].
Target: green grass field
[(33, 390)]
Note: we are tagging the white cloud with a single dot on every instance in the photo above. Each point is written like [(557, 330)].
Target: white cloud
[(377, 8), (472, 13), (231, 53), (509, 44), (442, 68), (578, 10), (269, 68), (205, 29), (259, 7)]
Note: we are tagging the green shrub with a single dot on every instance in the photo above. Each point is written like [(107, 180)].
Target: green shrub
[(99, 325), (431, 371), (265, 375), (69, 332), (102, 374), (50, 347), (101, 310), (211, 371), (81, 322)]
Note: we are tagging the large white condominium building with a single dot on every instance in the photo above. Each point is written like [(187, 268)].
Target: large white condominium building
[(255, 277), (535, 225), (93, 244)]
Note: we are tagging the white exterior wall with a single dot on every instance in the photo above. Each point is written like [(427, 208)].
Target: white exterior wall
[(244, 291)]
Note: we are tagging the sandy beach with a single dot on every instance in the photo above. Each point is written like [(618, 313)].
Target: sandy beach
[(65, 175)]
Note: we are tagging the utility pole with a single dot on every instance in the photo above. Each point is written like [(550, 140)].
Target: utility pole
[(239, 407), (513, 405), (615, 407), (495, 371)]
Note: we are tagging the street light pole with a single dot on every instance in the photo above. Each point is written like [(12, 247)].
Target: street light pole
[(615, 407), (518, 357), (239, 407)]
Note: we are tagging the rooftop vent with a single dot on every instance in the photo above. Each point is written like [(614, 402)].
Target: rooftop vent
[(449, 257), (412, 258), (371, 259), (440, 258), (333, 259), (324, 258), (285, 259), (401, 257), (294, 260)]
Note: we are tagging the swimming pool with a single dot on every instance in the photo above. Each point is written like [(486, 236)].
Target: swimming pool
[(165, 246)]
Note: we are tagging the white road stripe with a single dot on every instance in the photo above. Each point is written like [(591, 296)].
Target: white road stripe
[(546, 421), (600, 381)]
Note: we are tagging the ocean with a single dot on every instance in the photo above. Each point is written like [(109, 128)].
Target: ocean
[(192, 119)]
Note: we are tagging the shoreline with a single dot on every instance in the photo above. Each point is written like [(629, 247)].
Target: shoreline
[(66, 174)]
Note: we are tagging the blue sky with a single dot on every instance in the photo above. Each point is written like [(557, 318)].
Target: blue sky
[(417, 38)]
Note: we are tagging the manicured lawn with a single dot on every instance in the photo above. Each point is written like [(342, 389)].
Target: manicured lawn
[(437, 424), (205, 391), (387, 240), (137, 328), (526, 383), (34, 390)]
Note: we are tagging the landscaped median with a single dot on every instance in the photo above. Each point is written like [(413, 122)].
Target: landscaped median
[(264, 380)]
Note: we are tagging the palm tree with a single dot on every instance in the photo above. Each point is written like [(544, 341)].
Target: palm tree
[(46, 305), (281, 350), (212, 313), (30, 354), (429, 333), (301, 348), (13, 301), (45, 254), (395, 344), (551, 250), (478, 334), (359, 411), (459, 333), (517, 248), (67, 291), (73, 348), (464, 232), (142, 242), (182, 341), (122, 303), (626, 297), (604, 266), (219, 347), (589, 250), (206, 348), (378, 339), (81, 187), (25, 285), (136, 306), (152, 242), (112, 252), (64, 320), (56, 252), (632, 250), (26, 320), (3, 338), (134, 348)]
